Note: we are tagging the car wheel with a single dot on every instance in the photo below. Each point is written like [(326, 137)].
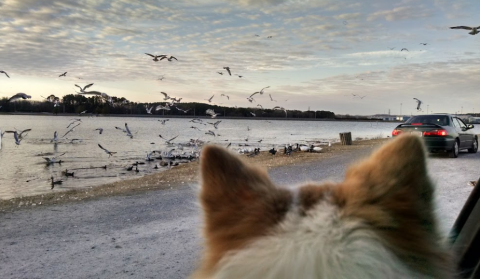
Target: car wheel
[(454, 152), (474, 146)]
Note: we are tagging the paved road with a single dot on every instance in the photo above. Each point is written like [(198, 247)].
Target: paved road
[(157, 234)]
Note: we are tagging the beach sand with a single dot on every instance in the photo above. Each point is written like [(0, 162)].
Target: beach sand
[(180, 175)]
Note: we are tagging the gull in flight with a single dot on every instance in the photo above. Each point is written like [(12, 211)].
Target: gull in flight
[(160, 77), (212, 113), (239, 76), (127, 130), (100, 130), (166, 96), (419, 103), (71, 130), (228, 70), (424, 44), (163, 121), (53, 160), (74, 121), (63, 75), (250, 99), (19, 96), (259, 106), (215, 124), (3, 72), (473, 32), (228, 97), (271, 99), (183, 110), (149, 110), (220, 73), (193, 127), (210, 133), (18, 135), (261, 91), (155, 57), (159, 107), (404, 49), (210, 100), (110, 153), (168, 58), (85, 87), (253, 114), (55, 137), (280, 108), (167, 141)]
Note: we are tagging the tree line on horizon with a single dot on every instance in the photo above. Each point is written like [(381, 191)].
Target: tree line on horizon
[(75, 103)]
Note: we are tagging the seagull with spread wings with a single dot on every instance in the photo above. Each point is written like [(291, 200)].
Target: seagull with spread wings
[(168, 58), (215, 124), (110, 153), (228, 97), (19, 96), (228, 70), (280, 108), (3, 72), (168, 141), (155, 57), (271, 99), (210, 100), (419, 103), (63, 75), (85, 87), (473, 32), (212, 113)]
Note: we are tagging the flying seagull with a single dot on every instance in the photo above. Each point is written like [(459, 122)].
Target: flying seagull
[(169, 58), (159, 107), (71, 130), (210, 100), (168, 141), (404, 49), (228, 97), (63, 75), (280, 108), (100, 130), (424, 44), (103, 95), (85, 87), (3, 72), (155, 57), (166, 97), (110, 153), (128, 131), (271, 99), (261, 91), (210, 132), (220, 73), (212, 113), (215, 124), (228, 70), (149, 110), (473, 32), (419, 103), (18, 96)]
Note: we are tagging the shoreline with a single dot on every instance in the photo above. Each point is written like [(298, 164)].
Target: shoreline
[(183, 174), (199, 116)]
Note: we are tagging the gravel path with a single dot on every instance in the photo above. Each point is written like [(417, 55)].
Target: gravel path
[(156, 234)]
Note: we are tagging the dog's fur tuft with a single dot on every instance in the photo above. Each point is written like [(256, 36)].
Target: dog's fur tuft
[(378, 222)]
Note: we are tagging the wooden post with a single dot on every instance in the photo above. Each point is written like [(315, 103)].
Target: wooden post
[(346, 138)]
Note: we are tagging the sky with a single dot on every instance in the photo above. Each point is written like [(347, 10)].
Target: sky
[(341, 56)]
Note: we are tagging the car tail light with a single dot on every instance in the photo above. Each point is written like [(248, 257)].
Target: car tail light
[(416, 124), (440, 133), (396, 132)]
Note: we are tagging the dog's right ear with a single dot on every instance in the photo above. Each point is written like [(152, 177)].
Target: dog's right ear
[(239, 202)]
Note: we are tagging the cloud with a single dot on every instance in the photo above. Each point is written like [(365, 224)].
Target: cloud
[(401, 13)]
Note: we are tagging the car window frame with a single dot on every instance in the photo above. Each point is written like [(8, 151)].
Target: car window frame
[(460, 121), (454, 122)]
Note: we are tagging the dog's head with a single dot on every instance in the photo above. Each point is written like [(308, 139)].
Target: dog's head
[(377, 223)]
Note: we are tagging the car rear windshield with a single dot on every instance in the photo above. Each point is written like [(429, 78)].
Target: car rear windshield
[(441, 120)]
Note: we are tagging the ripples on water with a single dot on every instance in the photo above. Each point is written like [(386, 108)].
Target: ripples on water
[(19, 164)]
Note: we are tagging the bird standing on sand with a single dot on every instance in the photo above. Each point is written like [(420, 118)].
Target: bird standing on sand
[(473, 32), (3, 72), (63, 75)]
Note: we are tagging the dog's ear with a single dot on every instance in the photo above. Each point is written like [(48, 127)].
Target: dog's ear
[(239, 201), (392, 193)]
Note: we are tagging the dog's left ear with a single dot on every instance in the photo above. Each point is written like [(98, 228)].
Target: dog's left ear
[(239, 201)]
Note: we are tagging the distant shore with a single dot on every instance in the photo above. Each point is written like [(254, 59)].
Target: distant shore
[(180, 175), (199, 116)]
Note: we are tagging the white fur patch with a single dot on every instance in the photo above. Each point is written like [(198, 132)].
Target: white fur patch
[(319, 245)]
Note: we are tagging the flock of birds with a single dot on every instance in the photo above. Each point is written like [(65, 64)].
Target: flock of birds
[(172, 102)]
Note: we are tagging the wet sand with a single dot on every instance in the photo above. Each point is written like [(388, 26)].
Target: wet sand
[(177, 176)]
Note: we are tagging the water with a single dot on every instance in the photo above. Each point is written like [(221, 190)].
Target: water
[(23, 170)]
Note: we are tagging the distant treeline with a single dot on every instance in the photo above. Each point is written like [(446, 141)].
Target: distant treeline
[(74, 103)]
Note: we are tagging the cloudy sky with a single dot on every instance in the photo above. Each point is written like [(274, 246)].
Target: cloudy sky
[(313, 54)]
